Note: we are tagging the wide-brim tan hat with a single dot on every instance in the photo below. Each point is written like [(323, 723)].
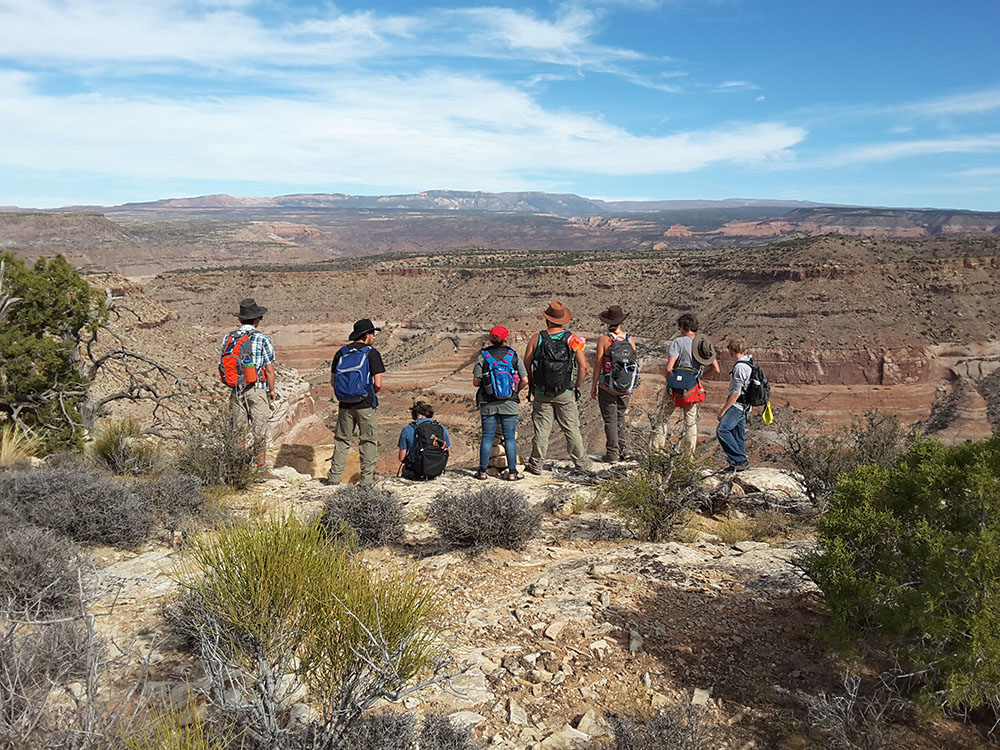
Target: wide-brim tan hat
[(613, 316), (557, 313), (702, 350)]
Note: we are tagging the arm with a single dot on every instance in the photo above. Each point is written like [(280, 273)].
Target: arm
[(581, 363), (714, 367), (269, 379), (598, 364), (529, 354), (402, 455), (671, 361), (377, 380), (733, 397)]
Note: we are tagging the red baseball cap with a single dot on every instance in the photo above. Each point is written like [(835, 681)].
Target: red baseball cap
[(500, 332)]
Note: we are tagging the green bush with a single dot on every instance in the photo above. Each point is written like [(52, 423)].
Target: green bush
[(375, 515), (120, 448), (909, 557), (220, 453), (80, 501), (658, 496), (273, 605), (493, 516)]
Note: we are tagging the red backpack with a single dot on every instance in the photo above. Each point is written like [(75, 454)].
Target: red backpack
[(236, 365)]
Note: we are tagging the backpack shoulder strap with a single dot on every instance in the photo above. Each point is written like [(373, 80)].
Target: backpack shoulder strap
[(488, 358)]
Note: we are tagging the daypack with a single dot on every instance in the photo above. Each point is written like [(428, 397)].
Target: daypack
[(236, 363), (429, 456), (685, 386), (498, 375), (623, 375), (352, 380), (552, 365), (758, 390)]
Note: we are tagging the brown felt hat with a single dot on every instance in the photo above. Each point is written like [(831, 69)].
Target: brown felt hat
[(557, 313), (613, 315), (702, 350), (250, 310)]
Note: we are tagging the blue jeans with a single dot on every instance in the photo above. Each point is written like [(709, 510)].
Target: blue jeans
[(732, 435), (508, 422)]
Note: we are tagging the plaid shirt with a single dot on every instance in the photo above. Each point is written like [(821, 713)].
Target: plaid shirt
[(261, 350)]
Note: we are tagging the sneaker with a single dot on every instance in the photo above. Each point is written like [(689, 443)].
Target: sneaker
[(742, 466)]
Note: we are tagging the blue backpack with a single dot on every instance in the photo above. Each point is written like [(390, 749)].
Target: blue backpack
[(352, 380), (498, 378)]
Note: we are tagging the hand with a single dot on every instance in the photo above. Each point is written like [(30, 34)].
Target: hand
[(272, 396), (576, 393), (720, 415), (593, 392)]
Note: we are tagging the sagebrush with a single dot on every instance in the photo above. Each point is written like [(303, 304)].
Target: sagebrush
[(675, 728), (221, 452), (909, 560), (492, 516), (40, 573), (121, 448), (852, 721), (174, 497), (375, 515)]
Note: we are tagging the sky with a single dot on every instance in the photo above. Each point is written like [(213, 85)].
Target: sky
[(866, 102)]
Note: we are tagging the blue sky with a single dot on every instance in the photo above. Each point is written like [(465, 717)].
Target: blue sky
[(887, 102)]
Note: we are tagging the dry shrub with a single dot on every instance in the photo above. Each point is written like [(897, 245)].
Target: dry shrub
[(679, 727), (493, 516), (39, 572), (375, 515), (174, 498), (121, 448), (851, 721), (221, 453), (388, 730), (80, 502)]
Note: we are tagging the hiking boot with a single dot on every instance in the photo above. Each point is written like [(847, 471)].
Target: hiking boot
[(610, 458), (531, 469), (742, 466), (327, 482)]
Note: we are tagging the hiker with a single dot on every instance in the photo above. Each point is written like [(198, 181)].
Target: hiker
[(688, 354), (499, 375), (247, 367), (616, 373), (423, 443), (356, 377), (734, 414), (550, 359)]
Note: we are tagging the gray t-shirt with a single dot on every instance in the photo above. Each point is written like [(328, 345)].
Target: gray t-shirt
[(680, 347), (506, 408), (739, 380)]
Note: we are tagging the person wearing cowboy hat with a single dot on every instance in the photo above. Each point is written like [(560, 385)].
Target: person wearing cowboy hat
[(550, 360), (692, 351), (612, 403), (356, 411), (253, 401)]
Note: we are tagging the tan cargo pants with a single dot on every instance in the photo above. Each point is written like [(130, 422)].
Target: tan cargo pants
[(559, 409), (690, 438), (253, 410), (365, 421)]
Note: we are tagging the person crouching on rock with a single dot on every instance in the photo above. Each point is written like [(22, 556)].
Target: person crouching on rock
[(499, 375), (423, 444)]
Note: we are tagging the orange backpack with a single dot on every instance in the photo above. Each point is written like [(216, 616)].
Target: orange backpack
[(236, 365)]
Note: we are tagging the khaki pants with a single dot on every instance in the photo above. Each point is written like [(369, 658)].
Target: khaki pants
[(562, 410), (690, 438), (253, 410), (365, 421)]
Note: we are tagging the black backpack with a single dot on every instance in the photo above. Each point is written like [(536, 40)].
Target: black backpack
[(429, 456), (758, 390), (624, 374), (552, 365)]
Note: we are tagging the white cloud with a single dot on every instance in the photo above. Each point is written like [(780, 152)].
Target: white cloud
[(959, 104), (979, 172), (439, 128), (882, 152)]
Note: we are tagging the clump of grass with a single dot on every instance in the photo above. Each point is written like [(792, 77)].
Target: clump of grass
[(733, 530), (493, 516), (16, 446), (184, 728), (221, 452), (121, 448)]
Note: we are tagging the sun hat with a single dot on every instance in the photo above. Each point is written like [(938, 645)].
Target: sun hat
[(250, 310), (557, 313), (613, 316), (500, 332), (702, 350), (421, 400), (362, 328)]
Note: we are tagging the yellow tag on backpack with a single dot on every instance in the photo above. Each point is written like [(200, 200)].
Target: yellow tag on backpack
[(768, 415)]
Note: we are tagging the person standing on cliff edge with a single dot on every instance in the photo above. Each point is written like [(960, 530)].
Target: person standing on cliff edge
[(255, 392), (356, 377)]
